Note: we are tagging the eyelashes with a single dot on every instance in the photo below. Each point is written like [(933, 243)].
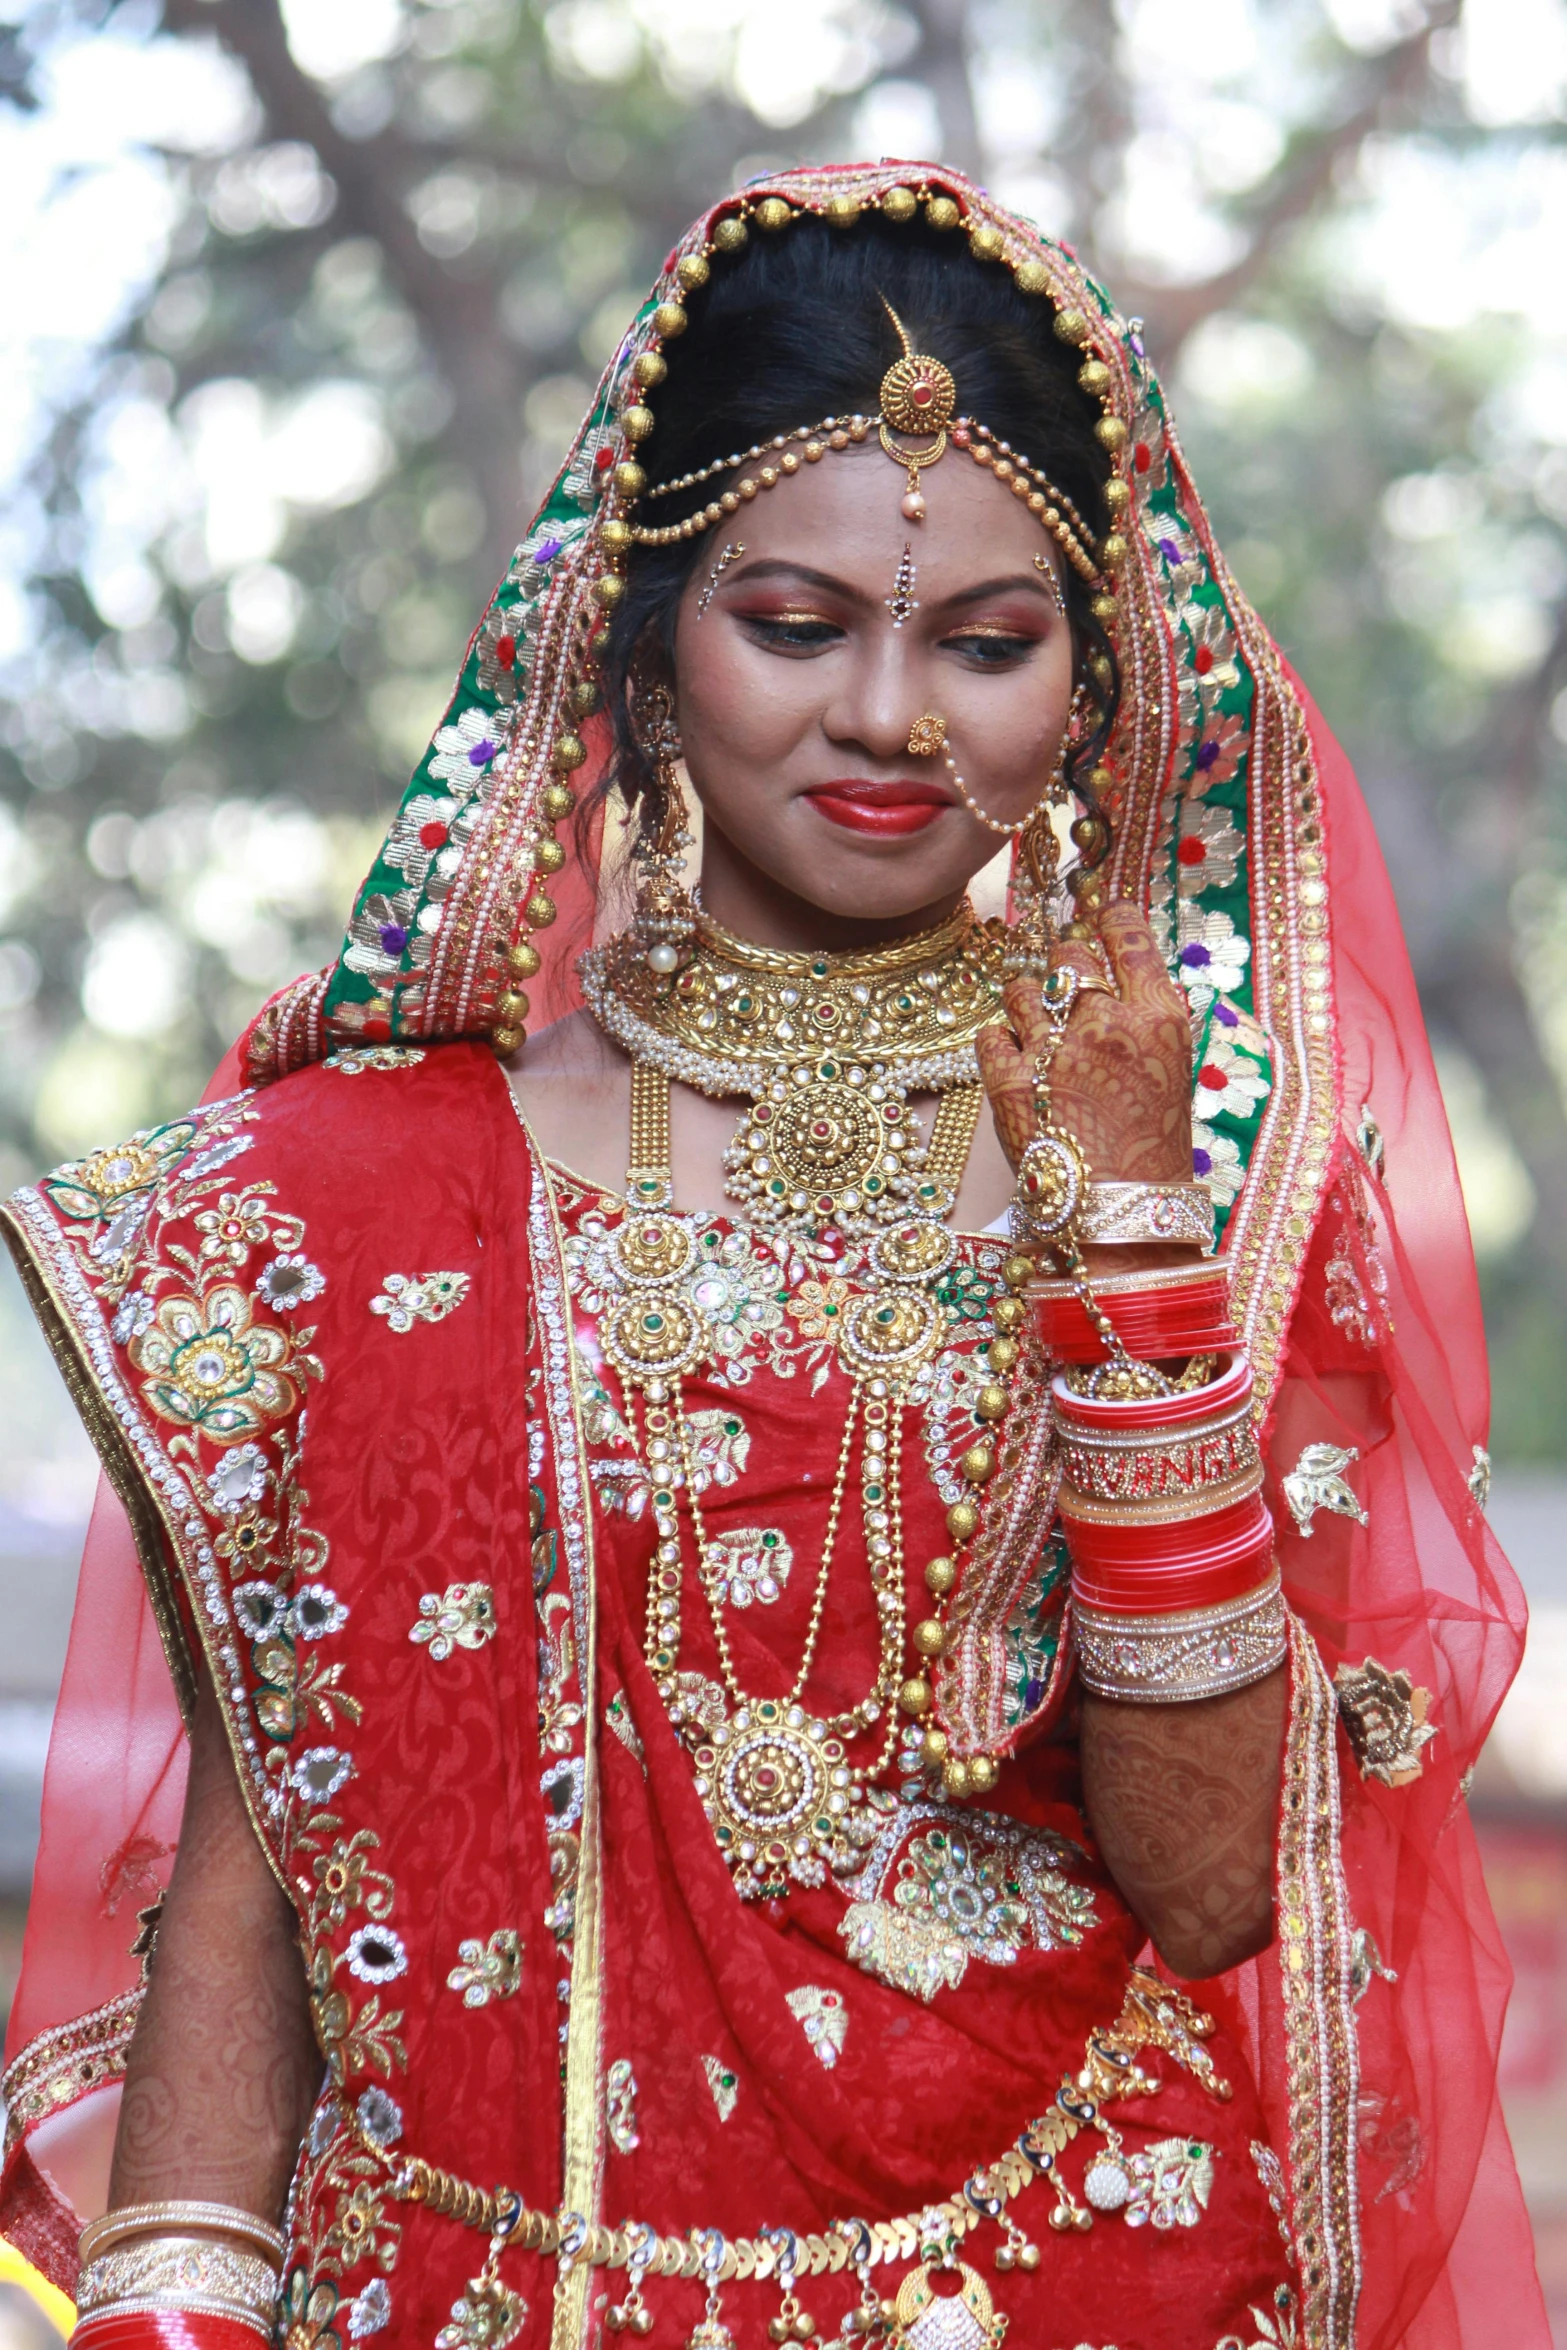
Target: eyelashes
[(992, 648)]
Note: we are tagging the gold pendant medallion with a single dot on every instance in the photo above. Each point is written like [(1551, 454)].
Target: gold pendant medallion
[(924, 2319), (777, 1787)]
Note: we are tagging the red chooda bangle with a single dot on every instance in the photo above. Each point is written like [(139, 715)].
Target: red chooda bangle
[(1159, 1316)]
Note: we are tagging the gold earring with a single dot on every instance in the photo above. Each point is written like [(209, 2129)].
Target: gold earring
[(665, 915)]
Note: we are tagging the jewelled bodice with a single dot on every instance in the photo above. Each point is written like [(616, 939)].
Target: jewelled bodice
[(782, 1452)]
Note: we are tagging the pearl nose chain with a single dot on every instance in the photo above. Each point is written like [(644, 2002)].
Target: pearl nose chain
[(928, 739)]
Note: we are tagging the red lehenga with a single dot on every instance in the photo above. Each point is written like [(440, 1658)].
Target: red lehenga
[(321, 1331)]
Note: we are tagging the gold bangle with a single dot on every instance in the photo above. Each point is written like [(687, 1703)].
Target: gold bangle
[(1199, 1272), (1118, 1214), (180, 2218), (1175, 1659), (186, 2274)]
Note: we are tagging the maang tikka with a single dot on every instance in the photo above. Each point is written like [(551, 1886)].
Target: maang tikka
[(665, 914)]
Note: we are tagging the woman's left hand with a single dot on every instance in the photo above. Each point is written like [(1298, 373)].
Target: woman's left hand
[(1120, 1081)]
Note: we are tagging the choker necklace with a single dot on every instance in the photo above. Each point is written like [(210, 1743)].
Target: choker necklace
[(827, 1047)]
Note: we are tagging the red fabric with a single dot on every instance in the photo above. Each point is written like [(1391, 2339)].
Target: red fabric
[(41, 2225), (164, 2329)]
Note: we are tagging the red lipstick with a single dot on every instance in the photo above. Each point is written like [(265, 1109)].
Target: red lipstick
[(884, 811)]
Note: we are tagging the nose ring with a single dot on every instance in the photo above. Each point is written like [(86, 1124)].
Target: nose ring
[(928, 735)]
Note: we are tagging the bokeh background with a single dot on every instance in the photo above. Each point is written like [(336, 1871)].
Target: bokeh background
[(301, 300)]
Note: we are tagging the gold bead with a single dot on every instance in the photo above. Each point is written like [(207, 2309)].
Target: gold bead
[(636, 422), (524, 959), (1018, 1271), (940, 1575), (768, 477), (1117, 496), (557, 801), (569, 752), (991, 1402), (941, 212), (1002, 1353), (1071, 326), (962, 1519), (728, 502), (669, 320), (1006, 2257), (915, 1696), (978, 1464), (930, 1638), (773, 214), (1028, 2257), (841, 211), (986, 243), (982, 1774), (1105, 610), (1112, 551), (900, 204), (615, 536), (548, 856), (693, 270), (1094, 378), (933, 1747), (506, 1040), (954, 1778), (629, 479), (730, 234), (540, 910), (1110, 433), (1102, 781), (1031, 277), (1100, 668), (1007, 1313), (512, 1008), (650, 367), (609, 590)]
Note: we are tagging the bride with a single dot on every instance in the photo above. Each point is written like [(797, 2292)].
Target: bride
[(816, 1536)]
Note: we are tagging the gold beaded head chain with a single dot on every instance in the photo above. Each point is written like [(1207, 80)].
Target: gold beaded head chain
[(915, 423)]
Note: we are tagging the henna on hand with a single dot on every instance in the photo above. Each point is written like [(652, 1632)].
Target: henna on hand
[(1120, 1081), (223, 2068), (1183, 1800)]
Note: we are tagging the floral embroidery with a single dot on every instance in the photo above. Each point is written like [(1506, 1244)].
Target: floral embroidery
[(724, 2084), (370, 2311), (419, 1297), (463, 1616), (1210, 956), (825, 2019), (1208, 851), (308, 2311), (618, 1715), (488, 1970), (957, 1895), (913, 1953), (382, 937), (1171, 2183), (1384, 1716), (207, 1366), (1278, 2332), (1317, 1482), (750, 1563), (1228, 1081), (351, 1059), (1216, 1161), (620, 2106)]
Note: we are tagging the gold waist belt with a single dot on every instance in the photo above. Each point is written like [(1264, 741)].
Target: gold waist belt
[(1153, 2015)]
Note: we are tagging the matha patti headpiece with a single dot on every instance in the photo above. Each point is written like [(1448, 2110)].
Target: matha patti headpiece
[(918, 395)]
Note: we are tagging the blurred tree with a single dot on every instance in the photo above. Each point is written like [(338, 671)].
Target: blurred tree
[(369, 259)]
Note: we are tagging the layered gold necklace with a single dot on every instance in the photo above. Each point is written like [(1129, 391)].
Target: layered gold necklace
[(826, 1049)]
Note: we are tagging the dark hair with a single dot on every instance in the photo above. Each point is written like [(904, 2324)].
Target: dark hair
[(794, 329)]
